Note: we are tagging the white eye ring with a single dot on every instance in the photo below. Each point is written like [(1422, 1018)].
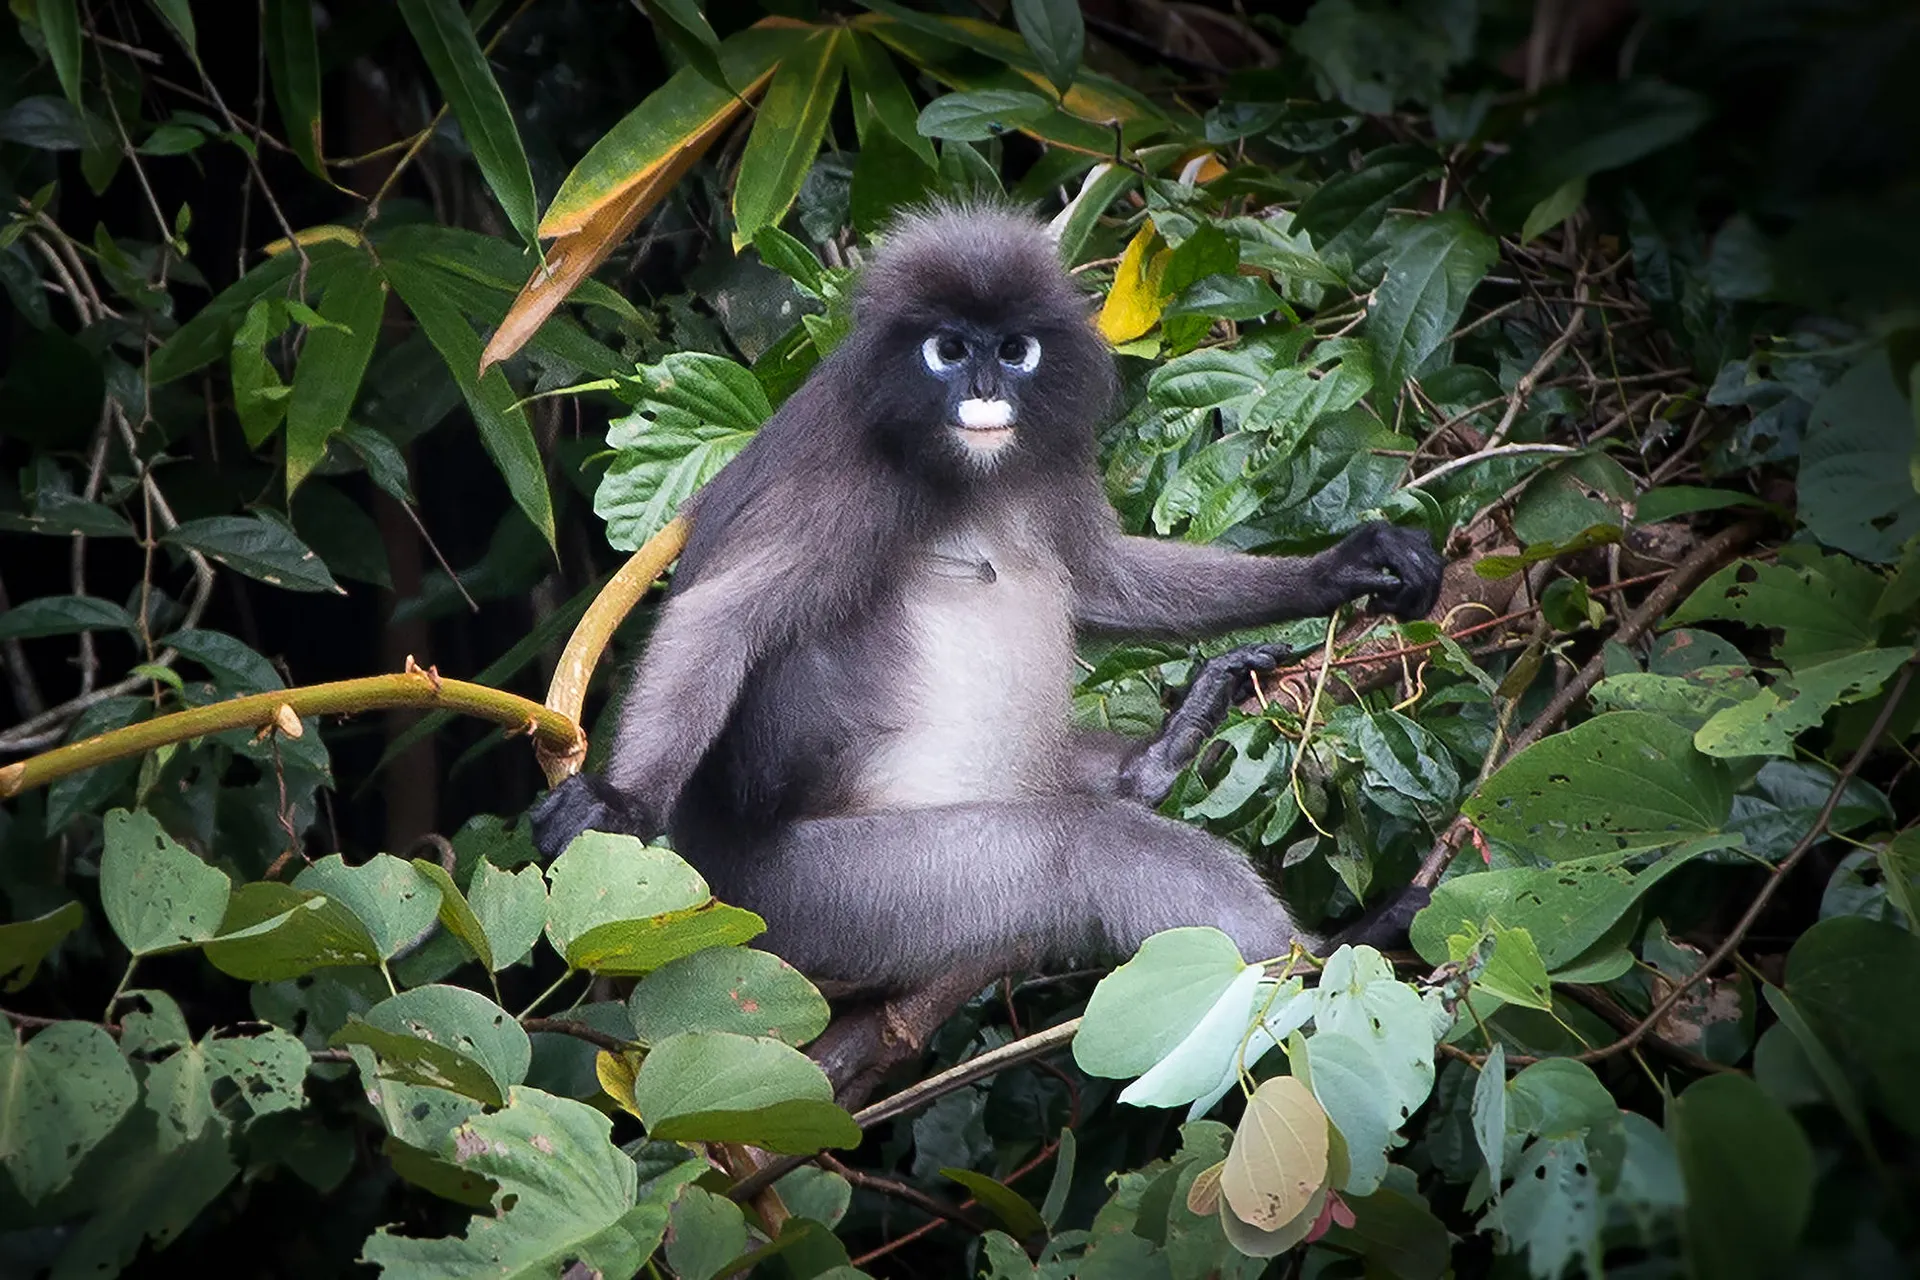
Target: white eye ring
[(930, 352), (1030, 353)]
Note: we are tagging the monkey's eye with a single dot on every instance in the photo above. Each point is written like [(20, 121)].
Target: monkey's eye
[(1020, 352), (943, 350)]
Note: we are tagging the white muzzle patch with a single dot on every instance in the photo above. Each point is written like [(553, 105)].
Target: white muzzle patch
[(985, 425)]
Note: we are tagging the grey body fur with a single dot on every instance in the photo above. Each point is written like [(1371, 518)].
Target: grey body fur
[(853, 715)]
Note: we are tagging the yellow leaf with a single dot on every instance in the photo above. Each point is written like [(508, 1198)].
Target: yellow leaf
[(1203, 1196), (1279, 1155), (1134, 303), (616, 1073), (312, 236)]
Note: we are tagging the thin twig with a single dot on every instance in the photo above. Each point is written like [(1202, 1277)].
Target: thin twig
[(1452, 465), (578, 1030), (1523, 389), (908, 1194)]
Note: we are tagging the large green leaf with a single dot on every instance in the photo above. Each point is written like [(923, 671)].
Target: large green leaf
[(881, 98), (625, 948), (1822, 605), (1434, 266), (447, 1038), (1858, 982), (274, 931), (257, 547), (496, 411), (1856, 488), (60, 1094), (333, 361), (566, 1196), (786, 133), (293, 63), (1056, 33), (1619, 782), (389, 897), (1144, 1009), (25, 943), (713, 1086), (980, 114), (63, 615), (1749, 1179), (728, 989), (604, 879), (60, 28), (157, 895), (1767, 723), (453, 54)]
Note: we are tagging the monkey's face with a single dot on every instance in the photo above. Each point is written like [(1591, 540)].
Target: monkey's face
[(979, 374)]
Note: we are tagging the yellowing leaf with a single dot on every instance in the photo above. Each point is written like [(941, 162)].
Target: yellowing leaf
[(1203, 1196), (316, 235), (1279, 1155), (616, 1071), (1134, 303), (630, 170), (786, 134)]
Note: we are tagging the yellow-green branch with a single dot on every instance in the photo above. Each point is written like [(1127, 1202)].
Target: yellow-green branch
[(554, 733), (568, 691)]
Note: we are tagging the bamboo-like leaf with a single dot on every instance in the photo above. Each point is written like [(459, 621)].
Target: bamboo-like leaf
[(179, 16), (60, 28), (786, 133), (293, 63), (630, 170), (502, 423), (460, 69), (333, 362), (681, 24), (881, 97)]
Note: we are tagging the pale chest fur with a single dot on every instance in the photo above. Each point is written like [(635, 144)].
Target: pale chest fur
[(985, 691)]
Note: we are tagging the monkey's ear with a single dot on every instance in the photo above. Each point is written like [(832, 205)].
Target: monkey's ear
[(586, 802)]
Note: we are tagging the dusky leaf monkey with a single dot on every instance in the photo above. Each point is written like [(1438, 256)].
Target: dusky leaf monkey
[(853, 716)]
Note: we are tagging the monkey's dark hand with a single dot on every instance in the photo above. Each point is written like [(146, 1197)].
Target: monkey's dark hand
[(587, 802), (1397, 567)]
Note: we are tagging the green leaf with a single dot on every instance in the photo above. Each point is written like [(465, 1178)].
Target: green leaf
[(786, 133), (60, 1094), (1554, 208), (1006, 1204), (1345, 209), (63, 615), (453, 54), (1552, 1209), (707, 1232), (386, 895), (626, 948), (1856, 490), (457, 916), (682, 26), (1858, 983), (496, 412), (977, 116), (25, 943), (1433, 267), (1767, 723), (1749, 1178), (209, 335), (155, 1193), (259, 397), (293, 63), (695, 414), (604, 879), (1619, 782), (332, 362), (1396, 1233), (1490, 1112), (1350, 1085), (259, 548), (1558, 1098), (1056, 33), (446, 1038), (566, 1196), (1514, 972), (179, 16), (881, 98), (792, 259), (60, 27), (1592, 129), (157, 895), (1822, 605), (1142, 1011), (1210, 1053), (274, 931), (1360, 998), (733, 989), (1565, 909), (712, 1086)]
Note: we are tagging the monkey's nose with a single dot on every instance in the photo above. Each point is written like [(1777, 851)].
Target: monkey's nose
[(985, 415)]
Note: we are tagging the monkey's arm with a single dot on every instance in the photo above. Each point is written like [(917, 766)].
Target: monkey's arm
[(1151, 586), (706, 641)]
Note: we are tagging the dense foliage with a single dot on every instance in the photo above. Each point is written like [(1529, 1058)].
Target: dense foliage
[(1618, 301)]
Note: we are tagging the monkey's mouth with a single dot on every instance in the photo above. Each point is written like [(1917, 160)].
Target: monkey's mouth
[(984, 426)]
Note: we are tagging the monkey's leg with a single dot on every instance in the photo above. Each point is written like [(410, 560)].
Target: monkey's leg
[(1148, 770), (892, 901)]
